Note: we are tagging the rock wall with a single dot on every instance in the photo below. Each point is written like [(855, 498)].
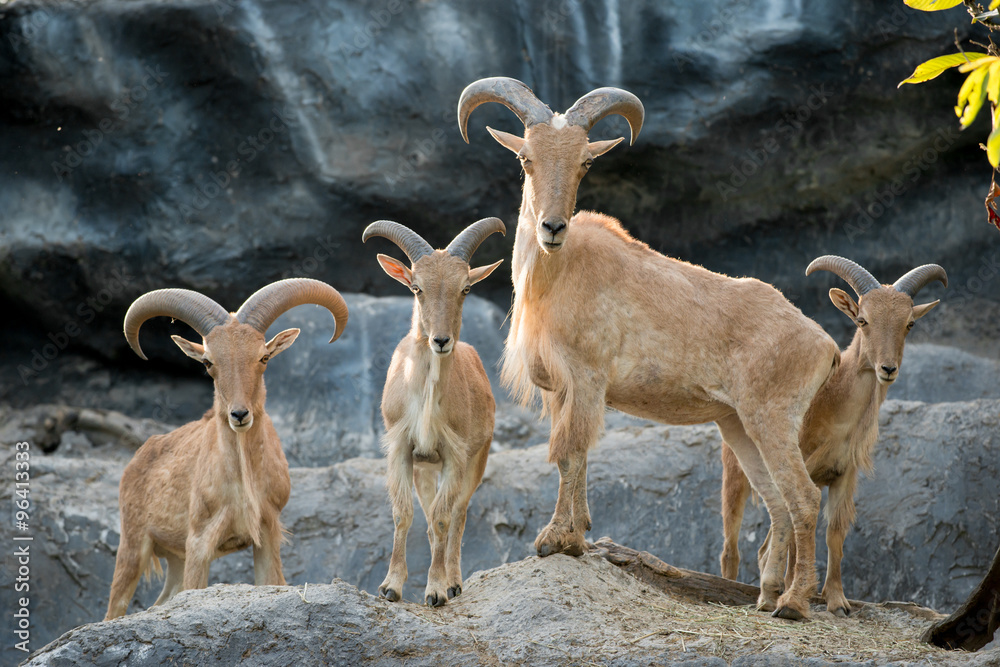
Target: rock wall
[(218, 145)]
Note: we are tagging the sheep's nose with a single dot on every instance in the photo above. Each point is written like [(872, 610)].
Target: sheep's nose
[(889, 370), (239, 415), (441, 341), (554, 226)]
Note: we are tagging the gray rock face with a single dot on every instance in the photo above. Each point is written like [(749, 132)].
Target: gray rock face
[(940, 374), (535, 612), (219, 145), (920, 532)]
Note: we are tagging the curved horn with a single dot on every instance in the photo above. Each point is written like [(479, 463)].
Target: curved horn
[(268, 303), (408, 240), (602, 102), (856, 275), (915, 280), (471, 237), (511, 93), (196, 310)]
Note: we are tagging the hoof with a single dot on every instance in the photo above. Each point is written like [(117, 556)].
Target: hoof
[(545, 550), (390, 594), (435, 600), (842, 612), (454, 591), (788, 613), (765, 605)]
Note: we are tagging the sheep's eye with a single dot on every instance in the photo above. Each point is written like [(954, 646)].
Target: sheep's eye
[(589, 163), (265, 358), (416, 290), (862, 322), (524, 160), (909, 325), (466, 289), (208, 364)]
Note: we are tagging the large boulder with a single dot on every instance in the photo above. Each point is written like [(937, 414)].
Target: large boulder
[(549, 611), (921, 536), (219, 145)]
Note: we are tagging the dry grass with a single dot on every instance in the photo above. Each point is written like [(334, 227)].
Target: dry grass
[(869, 633)]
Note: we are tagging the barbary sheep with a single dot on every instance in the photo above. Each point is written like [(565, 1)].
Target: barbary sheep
[(841, 426), (601, 319), (217, 485), (437, 405)]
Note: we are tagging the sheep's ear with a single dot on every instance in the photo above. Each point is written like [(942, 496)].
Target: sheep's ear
[(281, 341), (396, 269), (598, 148), (475, 275), (844, 302), (194, 350), (923, 309), (511, 142)]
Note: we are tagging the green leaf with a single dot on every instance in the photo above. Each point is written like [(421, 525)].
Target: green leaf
[(935, 66), (932, 5), (971, 96)]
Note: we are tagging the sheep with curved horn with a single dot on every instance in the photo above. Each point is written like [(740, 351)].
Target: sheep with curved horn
[(217, 485), (599, 319), (437, 405), (841, 426)]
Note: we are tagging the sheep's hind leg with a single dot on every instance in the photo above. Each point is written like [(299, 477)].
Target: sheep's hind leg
[(175, 577), (771, 575), (129, 564), (735, 490)]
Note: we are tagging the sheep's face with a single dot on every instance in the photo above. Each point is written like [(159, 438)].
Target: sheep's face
[(884, 317), (555, 157), (440, 283), (235, 356)]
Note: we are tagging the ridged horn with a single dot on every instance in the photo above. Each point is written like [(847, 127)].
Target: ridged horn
[(914, 281), (856, 275), (511, 93), (196, 310), (466, 243), (597, 104), (268, 303), (408, 240)]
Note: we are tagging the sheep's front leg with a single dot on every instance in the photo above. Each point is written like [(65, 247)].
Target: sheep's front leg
[(575, 429), (199, 549), (840, 516), (399, 480), (735, 490), (470, 482), (267, 555), (440, 520)]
